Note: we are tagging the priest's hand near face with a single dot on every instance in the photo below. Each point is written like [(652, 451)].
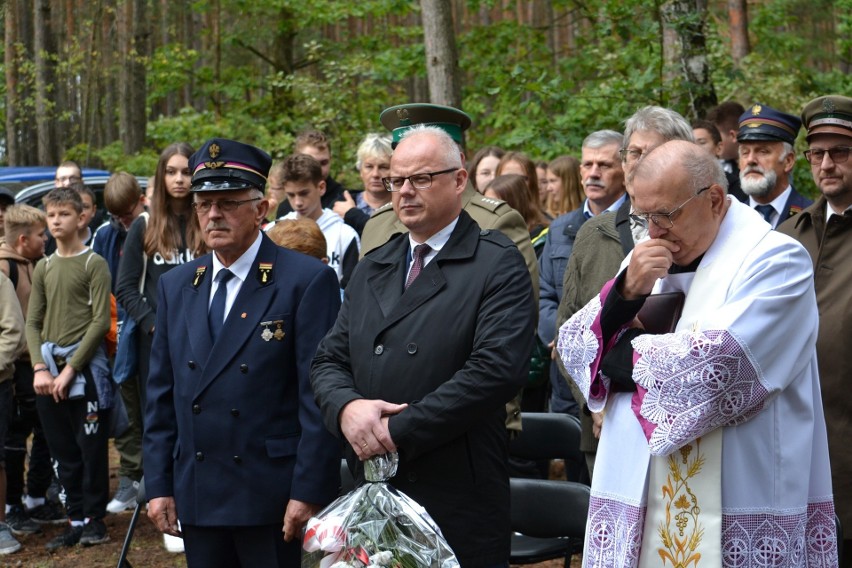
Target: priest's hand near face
[(651, 261)]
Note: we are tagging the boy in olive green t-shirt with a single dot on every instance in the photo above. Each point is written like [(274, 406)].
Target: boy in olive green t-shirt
[(68, 317)]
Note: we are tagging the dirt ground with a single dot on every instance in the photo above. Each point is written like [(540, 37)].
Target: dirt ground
[(146, 550)]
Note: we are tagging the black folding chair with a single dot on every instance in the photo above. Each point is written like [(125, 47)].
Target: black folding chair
[(548, 519), (551, 435)]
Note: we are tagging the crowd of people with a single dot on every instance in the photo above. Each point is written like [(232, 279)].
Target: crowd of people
[(426, 312)]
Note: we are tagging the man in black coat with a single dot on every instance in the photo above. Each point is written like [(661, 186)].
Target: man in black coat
[(429, 346)]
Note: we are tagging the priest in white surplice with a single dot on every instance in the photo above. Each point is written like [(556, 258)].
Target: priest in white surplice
[(713, 450)]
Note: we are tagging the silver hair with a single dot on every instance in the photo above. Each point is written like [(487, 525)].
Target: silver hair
[(451, 149), (255, 193), (665, 122), (601, 138), (373, 146)]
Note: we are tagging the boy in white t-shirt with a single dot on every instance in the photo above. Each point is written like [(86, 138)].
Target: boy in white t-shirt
[(304, 187)]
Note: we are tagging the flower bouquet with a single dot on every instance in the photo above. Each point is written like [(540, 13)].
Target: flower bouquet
[(375, 525)]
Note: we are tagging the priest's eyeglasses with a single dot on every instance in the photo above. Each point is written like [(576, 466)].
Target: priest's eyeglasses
[(226, 205), (664, 220), (418, 181), (838, 154)]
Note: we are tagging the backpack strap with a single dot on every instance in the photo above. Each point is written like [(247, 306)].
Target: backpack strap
[(13, 273)]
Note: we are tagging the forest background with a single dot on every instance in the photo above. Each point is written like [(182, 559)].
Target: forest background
[(111, 82)]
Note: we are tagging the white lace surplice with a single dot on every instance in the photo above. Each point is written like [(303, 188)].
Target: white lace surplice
[(746, 363)]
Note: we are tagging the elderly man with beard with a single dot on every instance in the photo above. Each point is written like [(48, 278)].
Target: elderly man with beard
[(766, 138), (603, 182)]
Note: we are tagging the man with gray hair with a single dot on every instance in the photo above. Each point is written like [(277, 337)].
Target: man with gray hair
[(234, 445), (766, 138), (714, 445), (432, 340), (603, 182), (602, 243)]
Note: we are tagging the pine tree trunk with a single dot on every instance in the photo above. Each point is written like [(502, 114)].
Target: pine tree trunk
[(43, 47), (738, 22), (13, 151), (441, 55)]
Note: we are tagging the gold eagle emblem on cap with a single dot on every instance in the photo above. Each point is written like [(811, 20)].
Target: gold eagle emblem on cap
[(756, 109), (403, 116), (214, 165), (214, 151)]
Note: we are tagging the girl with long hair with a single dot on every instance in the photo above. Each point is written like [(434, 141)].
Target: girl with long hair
[(564, 186)]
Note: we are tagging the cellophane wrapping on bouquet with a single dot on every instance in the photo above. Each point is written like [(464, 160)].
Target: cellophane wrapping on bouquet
[(375, 525)]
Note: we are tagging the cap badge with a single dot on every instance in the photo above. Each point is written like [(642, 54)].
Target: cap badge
[(199, 275), (213, 165), (214, 150), (828, 105), (404, 118), (756, 109)]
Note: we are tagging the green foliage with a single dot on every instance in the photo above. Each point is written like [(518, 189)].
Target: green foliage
[(168, 70), (280, 72)]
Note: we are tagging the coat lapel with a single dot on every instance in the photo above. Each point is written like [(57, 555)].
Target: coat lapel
[(252, 301), (196, 300), (387, 284)]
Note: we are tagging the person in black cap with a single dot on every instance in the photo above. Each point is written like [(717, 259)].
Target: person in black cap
[(7, 198), (825, 230), (766, 138), (234, 446)]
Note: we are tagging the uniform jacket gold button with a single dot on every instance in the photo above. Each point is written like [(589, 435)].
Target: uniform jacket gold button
[(196, 409), (244, 368), (379, 349)]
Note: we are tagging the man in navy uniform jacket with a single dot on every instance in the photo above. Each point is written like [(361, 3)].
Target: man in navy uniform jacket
[(234, 445)]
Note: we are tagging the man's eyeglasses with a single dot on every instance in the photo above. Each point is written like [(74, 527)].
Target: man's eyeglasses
[(630, 154), (226, 205), (664, 220), (838, 155), (418, 181)]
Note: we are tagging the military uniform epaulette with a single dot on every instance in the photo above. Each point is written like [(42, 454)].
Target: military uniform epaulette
[(391, 239), (487, 203), (383, 209)]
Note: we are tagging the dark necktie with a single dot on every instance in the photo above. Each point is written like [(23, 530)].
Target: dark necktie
[(216, 315), (766, 211), (420, 252)]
